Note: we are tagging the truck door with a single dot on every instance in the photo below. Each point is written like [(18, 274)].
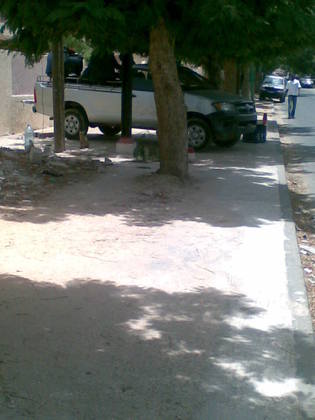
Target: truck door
[(143, 104)]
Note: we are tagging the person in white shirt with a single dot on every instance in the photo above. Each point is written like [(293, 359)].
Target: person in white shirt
[(293, 87)]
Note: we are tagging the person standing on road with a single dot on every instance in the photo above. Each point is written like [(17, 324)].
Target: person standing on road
[(293, 92)]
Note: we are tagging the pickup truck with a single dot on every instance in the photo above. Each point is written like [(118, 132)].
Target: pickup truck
[(212, 115)]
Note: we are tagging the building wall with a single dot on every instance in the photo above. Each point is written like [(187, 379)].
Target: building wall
[(23, 76), (16, 86), (5, 91)]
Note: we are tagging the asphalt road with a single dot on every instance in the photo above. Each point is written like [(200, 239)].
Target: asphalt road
[(300, 137)]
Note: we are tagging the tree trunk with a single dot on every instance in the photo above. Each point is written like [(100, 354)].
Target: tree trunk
[(246, 88), (230, 76), (170, 106), (213, 69), (252, 80), (58, 95), (259, 77)]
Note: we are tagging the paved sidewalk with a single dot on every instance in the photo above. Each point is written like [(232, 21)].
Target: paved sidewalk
[(154, 300)]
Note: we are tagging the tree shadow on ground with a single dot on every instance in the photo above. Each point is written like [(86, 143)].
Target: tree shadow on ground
[(303, 205), (95, 350), (287, 130), (297, 156), (227, 188)]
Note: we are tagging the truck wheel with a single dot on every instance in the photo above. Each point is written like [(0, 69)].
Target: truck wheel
[(199, 133), (75, 122), (109, 130)]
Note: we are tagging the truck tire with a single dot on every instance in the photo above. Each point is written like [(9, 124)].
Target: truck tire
[(199, 133), (75, 122), (109, 130)]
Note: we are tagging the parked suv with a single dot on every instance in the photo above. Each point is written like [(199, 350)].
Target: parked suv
[(273, 87)]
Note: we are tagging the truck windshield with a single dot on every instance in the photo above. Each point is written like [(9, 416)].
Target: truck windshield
[(188, 78)]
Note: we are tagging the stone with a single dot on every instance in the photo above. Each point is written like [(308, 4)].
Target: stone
[(36, 155), (59, 164), (51, 172)]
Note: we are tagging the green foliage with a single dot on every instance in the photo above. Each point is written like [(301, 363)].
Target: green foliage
[(245, 30), (301, 62), (80, 45), (36, 23)]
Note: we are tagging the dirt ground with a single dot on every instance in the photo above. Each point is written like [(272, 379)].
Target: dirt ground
[(115, 308), (119, 304), (305, 225), (67, 314)]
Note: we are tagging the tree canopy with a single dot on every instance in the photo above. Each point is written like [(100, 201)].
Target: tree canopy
[(243, 30), (246, 30)]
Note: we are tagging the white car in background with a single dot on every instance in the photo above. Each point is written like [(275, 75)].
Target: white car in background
[(306, 82), (273, 87)]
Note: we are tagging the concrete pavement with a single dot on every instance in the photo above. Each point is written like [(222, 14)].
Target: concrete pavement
[(194, 307)]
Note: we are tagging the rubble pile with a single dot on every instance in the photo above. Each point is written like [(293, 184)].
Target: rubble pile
[(25, 176)]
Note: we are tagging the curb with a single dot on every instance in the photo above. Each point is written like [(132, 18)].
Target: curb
[(301, 320), (296, 283), (303, 334)]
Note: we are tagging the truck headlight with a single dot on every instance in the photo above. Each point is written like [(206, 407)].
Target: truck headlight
[(224, 107)]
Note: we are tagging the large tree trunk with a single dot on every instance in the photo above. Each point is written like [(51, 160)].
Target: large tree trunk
[(252, 80), (230, 76), (58, 95), (212, 67), (170, 106), (246, 87)]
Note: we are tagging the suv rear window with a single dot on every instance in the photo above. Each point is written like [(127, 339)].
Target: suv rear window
[(274, 81)]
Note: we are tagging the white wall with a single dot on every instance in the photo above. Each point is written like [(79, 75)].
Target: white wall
[(23, 76), (17, 84), (5, 91)]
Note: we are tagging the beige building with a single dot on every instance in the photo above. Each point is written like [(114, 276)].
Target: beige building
[(16, 90)]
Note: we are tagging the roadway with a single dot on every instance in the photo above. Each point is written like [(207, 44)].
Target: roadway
[(299, 137)]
